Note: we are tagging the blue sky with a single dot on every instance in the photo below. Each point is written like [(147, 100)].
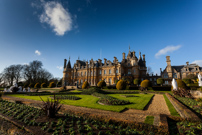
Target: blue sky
[(51, 31)]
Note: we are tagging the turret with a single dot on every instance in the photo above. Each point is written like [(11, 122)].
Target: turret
[(168, 61), (65, 62)]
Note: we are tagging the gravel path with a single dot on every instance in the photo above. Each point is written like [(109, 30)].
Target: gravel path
[(156, 107)]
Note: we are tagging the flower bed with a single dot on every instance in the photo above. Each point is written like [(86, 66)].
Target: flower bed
[(108, 100), (70, 123), (67, 97), (193, 104), (190, 128)]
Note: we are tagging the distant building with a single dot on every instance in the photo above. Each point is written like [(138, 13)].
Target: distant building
[(92, 71), (179, 72)]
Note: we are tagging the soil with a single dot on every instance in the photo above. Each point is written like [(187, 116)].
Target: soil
[(156, 107)]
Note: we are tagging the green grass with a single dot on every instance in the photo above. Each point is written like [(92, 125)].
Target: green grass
[(149, 120), (138, 102), (172, 110), (75, 91)]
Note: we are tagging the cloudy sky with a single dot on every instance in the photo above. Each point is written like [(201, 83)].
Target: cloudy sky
[(51, 31)]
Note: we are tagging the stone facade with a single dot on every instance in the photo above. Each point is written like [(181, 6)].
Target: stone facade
[(179, 72), (92, 71)]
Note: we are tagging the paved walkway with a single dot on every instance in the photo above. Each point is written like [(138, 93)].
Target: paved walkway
[(156, 107)]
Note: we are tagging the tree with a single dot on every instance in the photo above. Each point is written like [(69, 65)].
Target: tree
[(101, 84), (160, 81), (149, 71), (85, 85), (145, 84)]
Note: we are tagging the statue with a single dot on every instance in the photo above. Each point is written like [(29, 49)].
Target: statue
[(5, 90), (16, 85), (28, 89), (20, 89), (199, 80), (174, 84), (24, 90)]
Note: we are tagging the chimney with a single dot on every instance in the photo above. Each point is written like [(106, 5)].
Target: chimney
[(99, 61), (187, 62), (143, 57), (160, 70), (65, 63), (105, 61), (114, 59), (124, 56), (168, 60)]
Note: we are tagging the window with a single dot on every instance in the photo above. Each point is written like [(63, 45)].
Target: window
[(104, 72), (129, 71), (110, 80), (94, 72), (154, 79), (85, 73), (81, 73), (134, 70), (91, 73), (109, 71), (165, 75), (117, 71), (78, 74), (174, 75), (100, 80), (100, 72), (81, 81), (166, 82)]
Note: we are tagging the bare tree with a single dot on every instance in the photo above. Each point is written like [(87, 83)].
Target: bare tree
[(18, 72), (1, 79), (44, 76), (149, 71)]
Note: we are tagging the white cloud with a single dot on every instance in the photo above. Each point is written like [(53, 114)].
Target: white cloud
[(166, 50), (57, 17), (26, 64), (199, 62), (37, 52), (60, 67)]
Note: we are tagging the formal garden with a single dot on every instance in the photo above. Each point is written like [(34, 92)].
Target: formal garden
[(103, 109)]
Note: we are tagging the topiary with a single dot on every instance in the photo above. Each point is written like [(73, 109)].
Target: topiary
[(121, 85), (145, 84), (160, 81), (37, 86), (187, 81), (181, 84), (85, 85), (101, 84), (51, 85), (43, 85), (136, 82)]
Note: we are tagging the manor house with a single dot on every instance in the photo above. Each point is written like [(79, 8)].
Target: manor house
[(92, 71), (180, 71)]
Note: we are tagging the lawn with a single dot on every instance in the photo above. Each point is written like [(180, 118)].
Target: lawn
[(138, 102), (149, 120), (170, 107)]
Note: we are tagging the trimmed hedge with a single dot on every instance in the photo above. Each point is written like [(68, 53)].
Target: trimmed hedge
[(85, 85), (51, 85), (101, 84), (37, 86), (121, 85), (43, 85)]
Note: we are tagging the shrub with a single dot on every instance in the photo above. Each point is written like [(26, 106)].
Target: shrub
[(14, 89), (136, 82), (43, 85), (145, 84), (90, 91), (160, 81), (31, 85), (51, 107), (181, 84), (101, 84), (85, 85), (37, 86), (26, 85), (187, 81), (121, 85), (51, 85)]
